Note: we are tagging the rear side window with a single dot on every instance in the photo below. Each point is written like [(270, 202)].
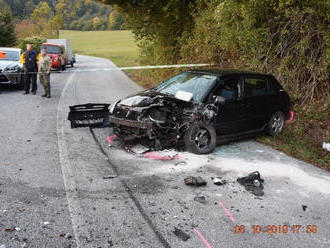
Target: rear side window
[(255, 86)]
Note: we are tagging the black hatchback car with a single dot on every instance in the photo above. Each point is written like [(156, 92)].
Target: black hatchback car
[(199, 109)]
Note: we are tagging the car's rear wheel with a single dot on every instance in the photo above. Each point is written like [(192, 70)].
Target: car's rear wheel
[(200, 138), (276, 123)]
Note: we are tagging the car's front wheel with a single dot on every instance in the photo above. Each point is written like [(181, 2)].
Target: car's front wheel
[(200, 138), (276, 123)]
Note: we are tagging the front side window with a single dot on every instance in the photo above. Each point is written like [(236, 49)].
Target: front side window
[(229, 89), (255, 86), (197, 84)]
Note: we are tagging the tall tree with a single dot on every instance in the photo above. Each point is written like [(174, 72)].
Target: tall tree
[(7, 29)]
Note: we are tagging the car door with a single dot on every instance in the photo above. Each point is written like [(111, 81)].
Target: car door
[(226, 120), (255, 97)]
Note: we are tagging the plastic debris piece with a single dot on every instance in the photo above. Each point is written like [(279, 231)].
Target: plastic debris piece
[(200, 199), (304, 207), (326, 146), (68, 236), (195, 181), (139, 149), (253, 183), (219, 181), (181, 234), (110, 177)]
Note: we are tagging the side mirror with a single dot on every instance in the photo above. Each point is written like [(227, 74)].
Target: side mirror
[(219, 100)]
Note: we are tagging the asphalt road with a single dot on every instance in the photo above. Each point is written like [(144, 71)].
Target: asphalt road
[(62, 187)]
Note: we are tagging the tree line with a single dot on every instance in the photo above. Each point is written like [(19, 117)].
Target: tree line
[(83, 15), (288, 38)]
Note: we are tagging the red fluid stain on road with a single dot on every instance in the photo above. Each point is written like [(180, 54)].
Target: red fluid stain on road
[(206, 243), (110, 138), (291, 117), (226, 211), (158, 156)]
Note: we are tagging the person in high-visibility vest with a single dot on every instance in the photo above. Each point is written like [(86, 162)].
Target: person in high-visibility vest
[(29, 61)]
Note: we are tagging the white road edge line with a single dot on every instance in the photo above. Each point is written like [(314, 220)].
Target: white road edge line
[(67, 173)]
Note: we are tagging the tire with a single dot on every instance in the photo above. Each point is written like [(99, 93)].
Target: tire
[(276, 123), (72, 65), (63, 67), (200, 138)]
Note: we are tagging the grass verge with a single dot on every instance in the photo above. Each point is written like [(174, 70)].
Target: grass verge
[(303, 137)]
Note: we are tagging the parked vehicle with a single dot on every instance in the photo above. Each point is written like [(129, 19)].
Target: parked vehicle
[(196, 109), (70, 57), (10, 67), (57, 54)]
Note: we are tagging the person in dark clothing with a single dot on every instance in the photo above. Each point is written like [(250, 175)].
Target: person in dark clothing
[(30, 69)]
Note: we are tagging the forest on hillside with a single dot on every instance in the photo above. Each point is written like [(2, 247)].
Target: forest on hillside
[(83, 13)]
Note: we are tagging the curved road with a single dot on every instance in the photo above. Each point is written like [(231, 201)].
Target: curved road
[(62, 187)]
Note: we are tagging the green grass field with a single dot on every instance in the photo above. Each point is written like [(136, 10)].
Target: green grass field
[(118, 46)]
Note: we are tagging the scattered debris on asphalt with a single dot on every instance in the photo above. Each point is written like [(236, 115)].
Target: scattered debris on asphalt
[(159, 156), (326, 146), (304, 207), (66, 235), (109, 177), (181, 234), (195, 181), (9, 229), (45, 224), (253, 183), (139, 149), (218, 181), (200, 199)]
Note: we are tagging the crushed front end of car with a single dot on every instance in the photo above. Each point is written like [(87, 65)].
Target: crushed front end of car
[(160, 121), (171, 115)]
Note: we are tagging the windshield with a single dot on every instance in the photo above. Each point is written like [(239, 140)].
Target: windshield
[(195, 83), (52, 49), (10, 55)]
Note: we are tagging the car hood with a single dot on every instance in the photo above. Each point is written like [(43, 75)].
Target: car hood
[(147, 98), (5, 64)]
